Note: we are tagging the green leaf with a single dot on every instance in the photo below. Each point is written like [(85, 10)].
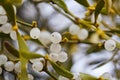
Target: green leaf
[(85, 76), (83, 2), (24, 74), (11, 49), (22, 45), (10, 12), (118, 45), (61, 71), (31, 55), (61, 4), (98, 8), (22, 48), (16, 2), (104, 11), (11, 52)]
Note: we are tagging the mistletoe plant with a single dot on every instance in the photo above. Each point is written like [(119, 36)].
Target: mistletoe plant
[(82, 31)]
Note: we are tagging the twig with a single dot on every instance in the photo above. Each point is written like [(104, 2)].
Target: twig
[(24, 23)]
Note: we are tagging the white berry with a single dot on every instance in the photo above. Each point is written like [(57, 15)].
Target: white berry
[(0, 70), (55, 47), (76, 76), (44, 37), (18, 67), (110, 45), (74, 29), (30, 77), (13, 35), (83, 34), (2, 10), (55, 37), (54, 57), (3, 59), (6, 28), (9, 66), (3, 19), (62, 56), (34, 60), (62, 78), (35, 33), (37, 66)]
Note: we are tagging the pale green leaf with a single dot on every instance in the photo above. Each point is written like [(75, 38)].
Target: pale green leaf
[(31, 55), (24, 74), (22, 45), (22, 48), (85, 76)]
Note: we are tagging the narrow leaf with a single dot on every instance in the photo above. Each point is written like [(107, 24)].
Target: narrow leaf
[(11, 52), (31, 55), (85, 76), (61, 71), (61, 4), (11, 49), (10, 12), (22, 48), (22, 45), (83, 2), (98, 9)]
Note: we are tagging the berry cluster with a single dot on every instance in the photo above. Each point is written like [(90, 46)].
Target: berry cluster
[(56, 53), (81, 33), (8, 65), (6, 26), (16, 66), (37, 65), (45, 37)]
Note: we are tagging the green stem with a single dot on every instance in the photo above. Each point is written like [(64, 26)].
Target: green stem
[(24, 23), (113, 55), (116, 70), (74, 19), (66, 15)]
